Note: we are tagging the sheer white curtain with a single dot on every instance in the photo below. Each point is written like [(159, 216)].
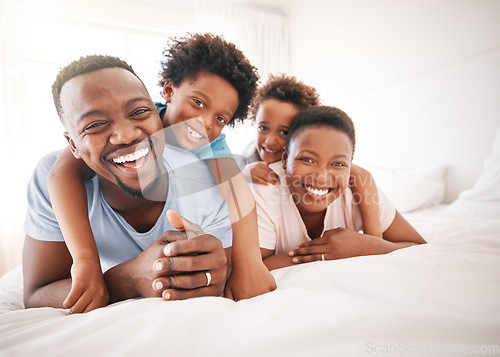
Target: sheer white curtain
[(37, 38), (262, 36)]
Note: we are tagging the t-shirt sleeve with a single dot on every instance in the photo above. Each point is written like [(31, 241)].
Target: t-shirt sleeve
[(40, 222), (387, 210)]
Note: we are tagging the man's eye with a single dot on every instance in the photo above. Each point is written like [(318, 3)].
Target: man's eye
[(93, 126), (199, 103), (140, 112)]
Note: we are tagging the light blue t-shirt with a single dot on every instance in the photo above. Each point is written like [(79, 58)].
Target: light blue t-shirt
[(192, 192)]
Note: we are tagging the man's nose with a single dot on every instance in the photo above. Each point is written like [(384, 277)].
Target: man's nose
[(124, 132)]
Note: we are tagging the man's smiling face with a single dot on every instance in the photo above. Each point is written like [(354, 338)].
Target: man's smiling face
[(111, 119)]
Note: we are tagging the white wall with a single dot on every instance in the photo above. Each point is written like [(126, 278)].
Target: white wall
[(420, 79)]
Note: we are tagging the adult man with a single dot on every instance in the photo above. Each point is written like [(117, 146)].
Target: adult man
[(109, 116)]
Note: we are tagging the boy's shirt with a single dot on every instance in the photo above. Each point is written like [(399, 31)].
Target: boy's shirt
[(192, 192)]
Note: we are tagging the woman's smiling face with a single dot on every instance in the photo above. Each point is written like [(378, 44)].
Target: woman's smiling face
[(317, 165)]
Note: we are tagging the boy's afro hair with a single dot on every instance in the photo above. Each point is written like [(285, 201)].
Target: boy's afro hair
[(186, 57)]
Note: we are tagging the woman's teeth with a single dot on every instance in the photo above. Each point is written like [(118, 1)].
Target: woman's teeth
[(317, 191), (131, 157), (194, 133)]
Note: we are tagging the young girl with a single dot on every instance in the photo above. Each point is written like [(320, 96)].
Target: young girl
[(275, 104), (312, 214), (205, 78)]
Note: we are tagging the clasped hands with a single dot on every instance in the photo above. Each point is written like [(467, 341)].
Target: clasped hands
[(335, 243), (177, 268)]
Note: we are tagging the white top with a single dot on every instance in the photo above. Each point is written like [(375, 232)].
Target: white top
[(281, 227)]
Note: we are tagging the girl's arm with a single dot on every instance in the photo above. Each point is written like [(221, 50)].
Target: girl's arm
[(68, 197), (365, 195)]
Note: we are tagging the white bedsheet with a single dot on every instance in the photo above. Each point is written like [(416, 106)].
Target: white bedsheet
[(438, 299)]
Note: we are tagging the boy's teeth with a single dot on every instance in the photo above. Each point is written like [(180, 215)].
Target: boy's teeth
[(131, 157), (194, 133), (317, 191)]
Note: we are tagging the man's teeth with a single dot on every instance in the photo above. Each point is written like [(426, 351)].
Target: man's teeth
[(131, 157), (317, 191), (194, 133)]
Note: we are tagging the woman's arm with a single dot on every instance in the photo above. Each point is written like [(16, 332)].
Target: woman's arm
[(273, 261), (342, 243), (365, 195)]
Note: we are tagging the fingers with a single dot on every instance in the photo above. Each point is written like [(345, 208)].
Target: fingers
[(182, 224), (188, 294), (72, 297), (308, 258), (87, 302), (188, 263), (263, 175), (186, 281), (308, 250)]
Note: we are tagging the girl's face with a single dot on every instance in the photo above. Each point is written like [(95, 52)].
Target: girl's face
[(273, 119), (200, 107), (317, 167)]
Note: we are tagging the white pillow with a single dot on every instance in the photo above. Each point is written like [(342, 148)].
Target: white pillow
[(411, 189), (483, 199)]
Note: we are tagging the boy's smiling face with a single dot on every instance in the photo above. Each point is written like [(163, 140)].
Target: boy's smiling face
[(317, 167), (200, 107)]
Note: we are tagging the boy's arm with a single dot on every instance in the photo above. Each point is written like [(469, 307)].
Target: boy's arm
[(66, 188), (366, 196), (249, 276)]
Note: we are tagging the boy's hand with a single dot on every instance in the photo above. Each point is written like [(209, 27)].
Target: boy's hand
[(88, 290), (261, 173), (250, 281)]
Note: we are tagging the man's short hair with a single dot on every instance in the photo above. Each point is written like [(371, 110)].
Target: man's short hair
[(285, 89), (81, 66), (186, 57)]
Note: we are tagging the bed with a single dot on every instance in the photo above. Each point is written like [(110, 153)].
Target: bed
[(437, 299)]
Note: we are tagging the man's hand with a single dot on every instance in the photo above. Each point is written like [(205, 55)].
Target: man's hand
[(189, 267), (262, 174)]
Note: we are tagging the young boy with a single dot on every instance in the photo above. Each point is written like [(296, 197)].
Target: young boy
[(275, 104), (207, 83)]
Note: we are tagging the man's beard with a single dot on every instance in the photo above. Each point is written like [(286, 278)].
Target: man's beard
[(144, 192)]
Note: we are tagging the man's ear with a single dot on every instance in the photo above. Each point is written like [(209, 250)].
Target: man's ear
[(168, 91), (284, 157), (72, 146)]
